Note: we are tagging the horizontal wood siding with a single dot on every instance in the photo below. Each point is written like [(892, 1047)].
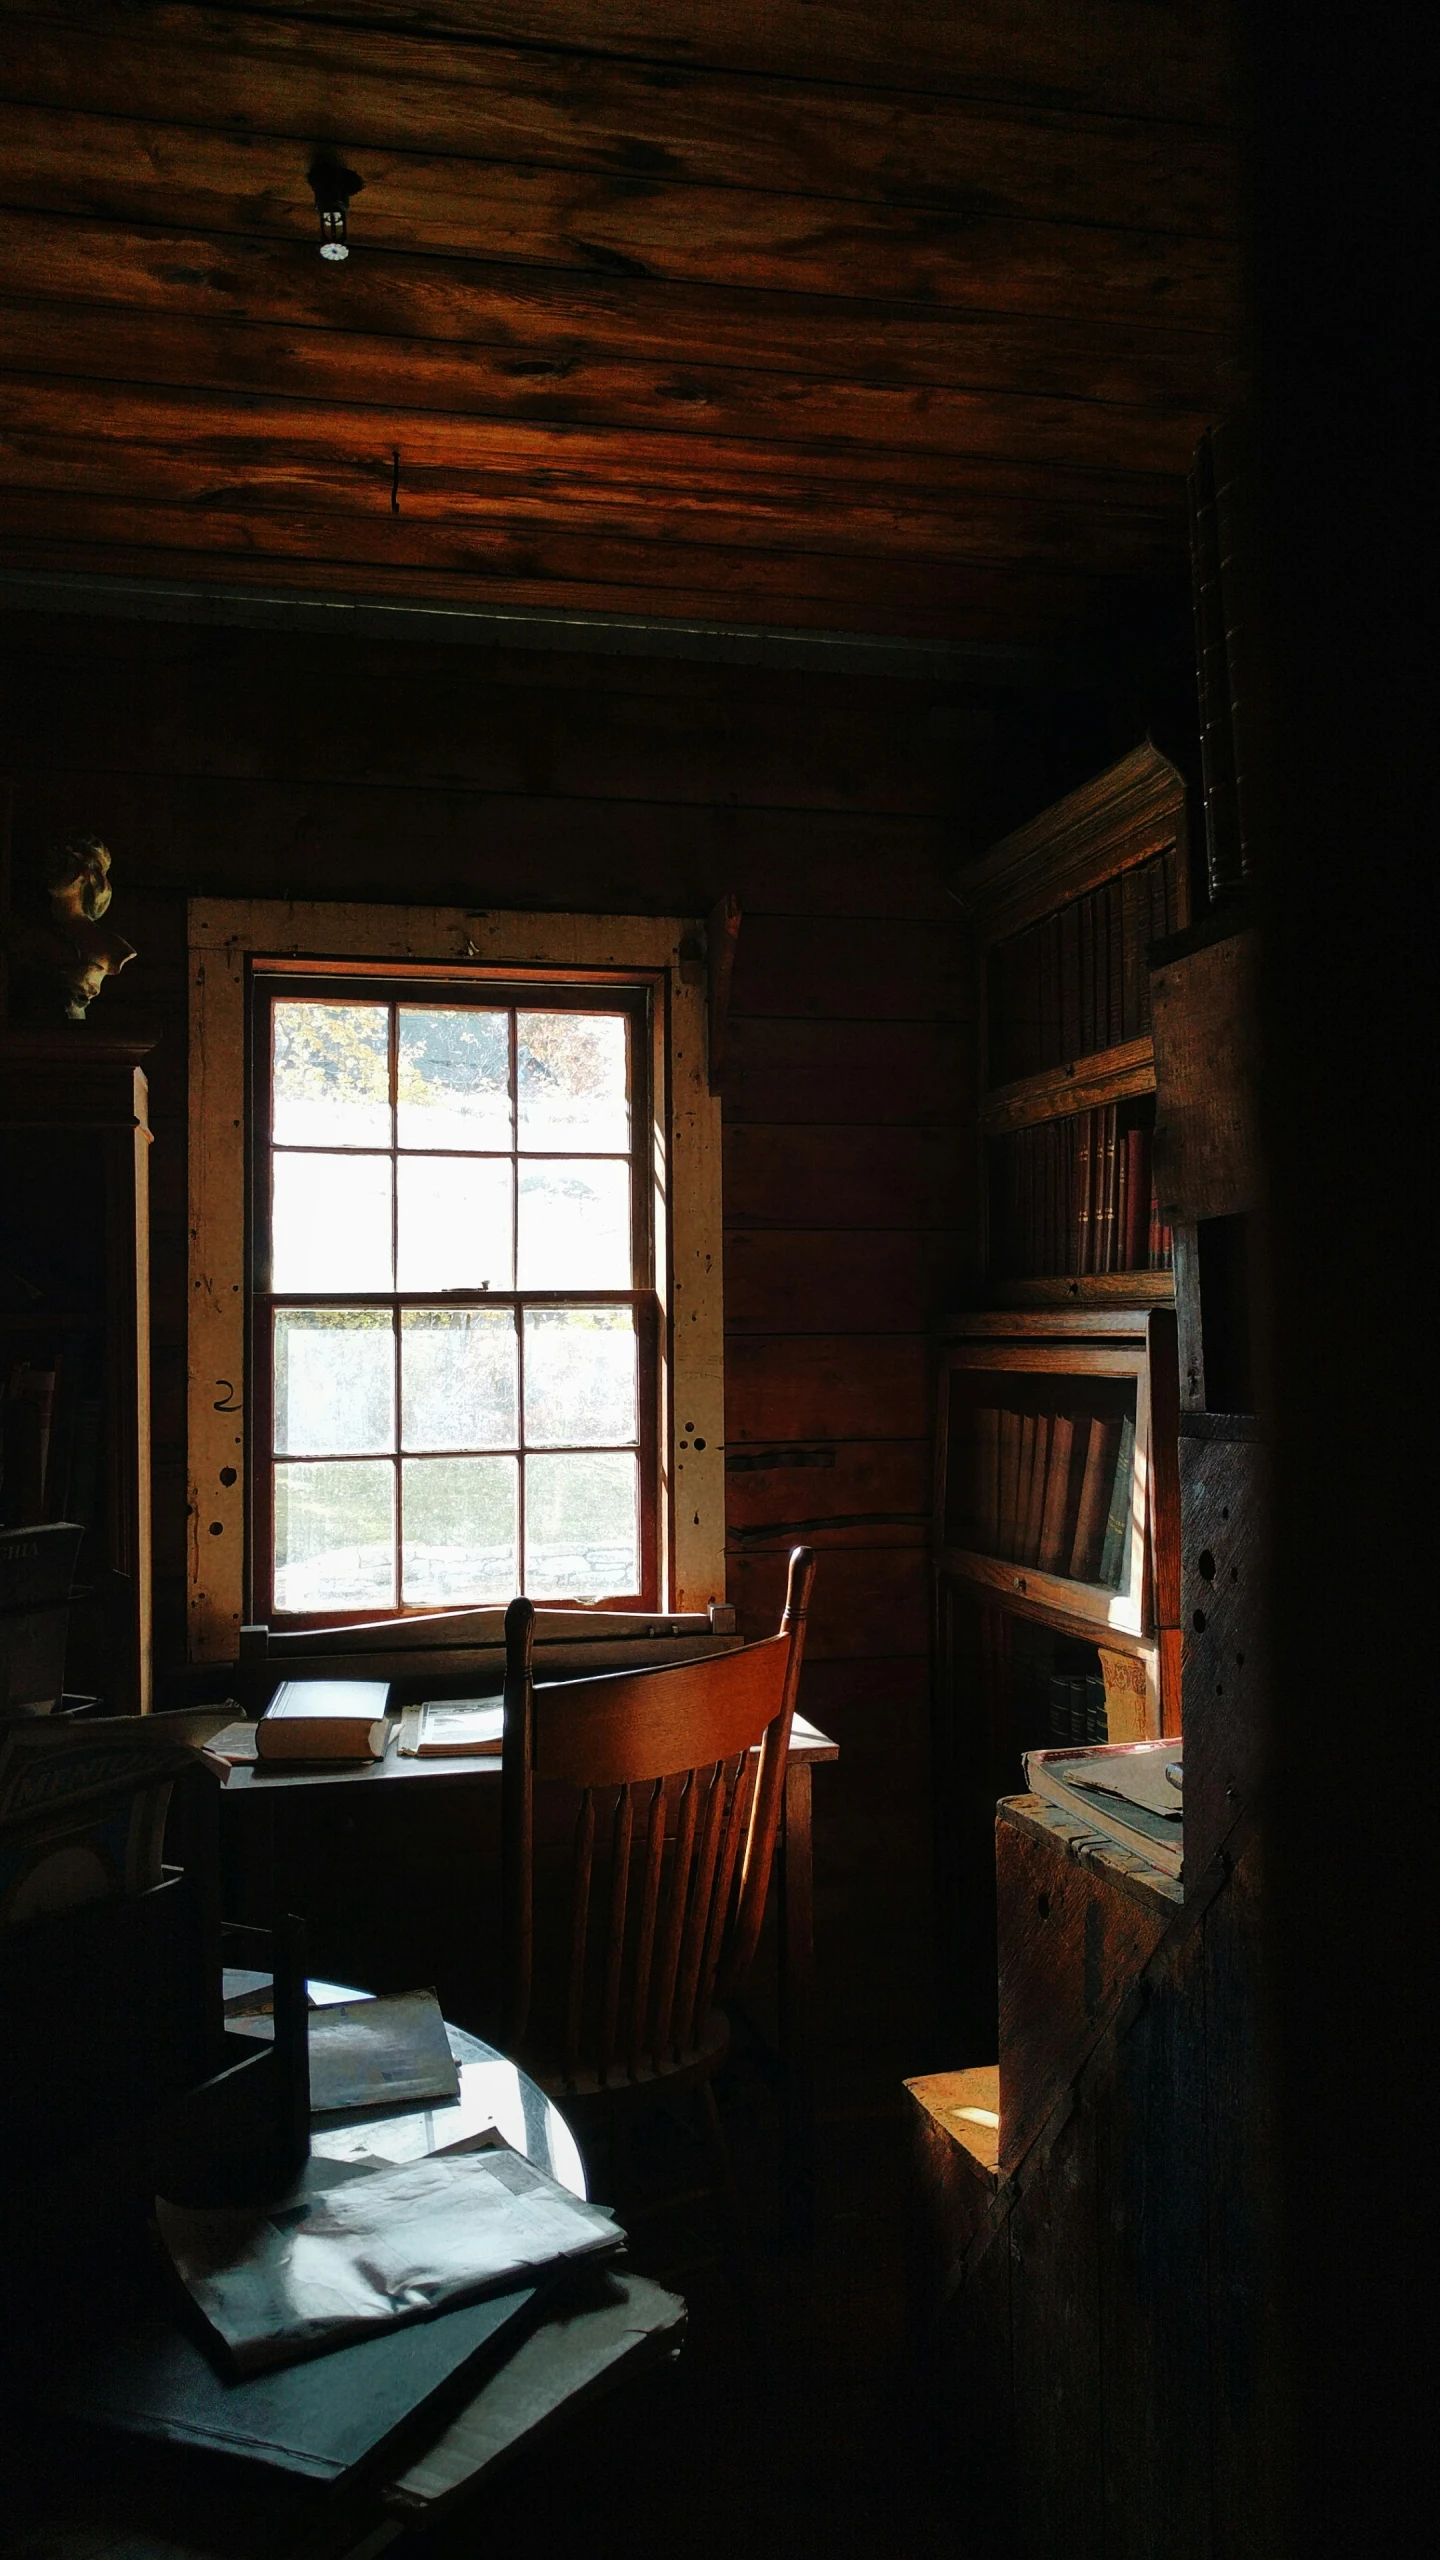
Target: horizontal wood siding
[(221, 763)]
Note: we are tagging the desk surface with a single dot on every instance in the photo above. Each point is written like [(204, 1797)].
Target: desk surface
[(807, 1744)]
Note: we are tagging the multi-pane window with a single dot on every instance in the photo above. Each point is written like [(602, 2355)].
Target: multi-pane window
[(453, 1305)]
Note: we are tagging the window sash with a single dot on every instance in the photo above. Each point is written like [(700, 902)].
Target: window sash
[(598, 994)]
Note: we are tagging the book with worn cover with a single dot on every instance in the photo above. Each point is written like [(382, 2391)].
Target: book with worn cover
[(325, 1720)]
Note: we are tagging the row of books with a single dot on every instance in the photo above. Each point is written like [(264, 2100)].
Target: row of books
[(1075, 1196), (1077, 1707), (1079, 981), (1053, 1490)]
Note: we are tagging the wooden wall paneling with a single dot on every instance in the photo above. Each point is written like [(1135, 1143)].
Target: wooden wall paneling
[(786, 1492), (841, 1279), (495, 565), (1240, 2134), (867, 1600), (781, 1389), (1222, 1481), (1071, 1943), (1055, 2330), (865, 1073), (1155, 2223), (242, 764), (866, 1179)]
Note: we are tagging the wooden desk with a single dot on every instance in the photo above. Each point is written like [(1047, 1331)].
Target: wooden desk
[(252, 1788)]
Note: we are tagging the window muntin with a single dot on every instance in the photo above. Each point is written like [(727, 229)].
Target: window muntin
[(453, 1304)]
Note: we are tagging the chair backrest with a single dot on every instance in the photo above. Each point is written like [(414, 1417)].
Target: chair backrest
[(679, 1775)]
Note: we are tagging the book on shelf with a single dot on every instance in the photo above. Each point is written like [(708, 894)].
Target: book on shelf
[(1061, 1495), (1115, 1545), (1035, 1490), (1131, 1792), (1097, 1483), (1055, 1514), (1077, 1708), (325, 1720)]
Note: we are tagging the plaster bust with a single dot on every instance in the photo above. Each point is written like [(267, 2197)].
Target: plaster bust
[(61, 939)]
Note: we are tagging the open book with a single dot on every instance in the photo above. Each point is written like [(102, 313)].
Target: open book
[(453, 1729)]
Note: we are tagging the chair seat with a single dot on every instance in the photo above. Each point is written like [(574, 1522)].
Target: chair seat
[(618, 2086)]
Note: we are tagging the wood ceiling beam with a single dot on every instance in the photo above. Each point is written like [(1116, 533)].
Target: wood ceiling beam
[(1041, 52), (549, 327), (123, 170), (366, 90)]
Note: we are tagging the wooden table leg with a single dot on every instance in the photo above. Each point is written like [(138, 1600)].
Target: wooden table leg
[(795, 1882)]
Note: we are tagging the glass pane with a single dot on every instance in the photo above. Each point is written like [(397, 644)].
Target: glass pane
[(579, 1376), (582, 1527), (455, 1214), (330, 1222), (334, 1381), (572, 1085), (332, 1075), (457, 1378), (452, 1078), (461, 1537), (574, 1226), (335, 1536)]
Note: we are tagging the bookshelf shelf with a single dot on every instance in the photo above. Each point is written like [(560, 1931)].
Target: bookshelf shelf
[(1089, 1290), (1119, 1074)]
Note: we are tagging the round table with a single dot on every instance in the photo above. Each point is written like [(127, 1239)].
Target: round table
[(493, 2091)]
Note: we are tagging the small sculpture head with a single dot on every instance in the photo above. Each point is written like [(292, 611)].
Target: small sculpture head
[(76, 877), (64, 949)]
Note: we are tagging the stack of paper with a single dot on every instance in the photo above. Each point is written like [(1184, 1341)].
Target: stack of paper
[(394, 2245)]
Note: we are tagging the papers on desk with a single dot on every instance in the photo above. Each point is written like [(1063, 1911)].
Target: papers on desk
[(380, 2053), (397, 2244), (453, 1729), (392, 2052)]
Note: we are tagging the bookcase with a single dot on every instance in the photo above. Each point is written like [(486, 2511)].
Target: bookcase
[(1056, 1501), (75, 1331)]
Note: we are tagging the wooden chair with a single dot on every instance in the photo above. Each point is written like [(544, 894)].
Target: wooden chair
[(639, 1818)]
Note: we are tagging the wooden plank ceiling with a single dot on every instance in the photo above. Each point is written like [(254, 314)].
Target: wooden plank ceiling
[(838, 315)]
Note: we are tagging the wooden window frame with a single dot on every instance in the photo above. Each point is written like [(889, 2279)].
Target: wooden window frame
[(232, 942)]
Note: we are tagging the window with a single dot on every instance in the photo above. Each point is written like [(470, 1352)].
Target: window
[(455, 1270), (453, 1298)]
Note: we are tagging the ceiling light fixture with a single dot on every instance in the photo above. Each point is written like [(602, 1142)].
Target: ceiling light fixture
[(332, 186)]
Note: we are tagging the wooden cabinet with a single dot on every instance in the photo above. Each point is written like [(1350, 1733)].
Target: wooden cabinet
[(75, 1331)]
